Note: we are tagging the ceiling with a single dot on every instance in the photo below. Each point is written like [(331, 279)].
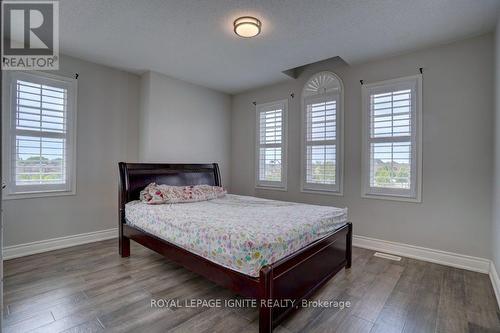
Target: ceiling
[(193, 40)]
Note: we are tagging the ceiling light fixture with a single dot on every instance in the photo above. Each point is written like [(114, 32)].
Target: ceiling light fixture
[(247, 26)]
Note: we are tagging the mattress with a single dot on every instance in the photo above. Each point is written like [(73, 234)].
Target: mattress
[(241, 233)]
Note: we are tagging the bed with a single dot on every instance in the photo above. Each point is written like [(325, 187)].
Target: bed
[(258, 248)]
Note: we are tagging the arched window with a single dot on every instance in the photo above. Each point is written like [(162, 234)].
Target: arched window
[(322, 146)]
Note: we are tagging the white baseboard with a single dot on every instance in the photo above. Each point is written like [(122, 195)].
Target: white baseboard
[(495, 281), (421, 253), (21, 250)]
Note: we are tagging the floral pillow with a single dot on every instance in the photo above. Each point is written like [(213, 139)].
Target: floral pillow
[(158, 194)]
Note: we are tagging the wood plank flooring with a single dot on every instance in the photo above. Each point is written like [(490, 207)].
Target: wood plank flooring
[(89, 288)]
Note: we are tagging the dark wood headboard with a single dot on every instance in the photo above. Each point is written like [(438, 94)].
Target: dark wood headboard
[(134, 177)]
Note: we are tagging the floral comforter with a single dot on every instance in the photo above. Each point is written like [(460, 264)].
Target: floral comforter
[(238, 232)]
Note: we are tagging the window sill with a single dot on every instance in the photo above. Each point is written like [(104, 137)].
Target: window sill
[(272, 188), (32, 195), (322, 192), (391, 198)]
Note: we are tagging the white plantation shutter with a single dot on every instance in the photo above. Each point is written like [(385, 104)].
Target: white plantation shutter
[(392, 139), (271, 144), (41, 133), (321, 142), (321, 153)]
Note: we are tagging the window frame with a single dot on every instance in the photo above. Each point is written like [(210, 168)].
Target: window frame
[(12, 191), (414, 194), (272, 185), (325, 189)]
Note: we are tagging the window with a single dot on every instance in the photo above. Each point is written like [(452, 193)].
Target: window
[(271, 145), (392, 139), (40, 141), (322, 134)]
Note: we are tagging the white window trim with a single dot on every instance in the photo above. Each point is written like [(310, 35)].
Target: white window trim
[(7, 120), (270, 185), (319, 189), (415, 194)]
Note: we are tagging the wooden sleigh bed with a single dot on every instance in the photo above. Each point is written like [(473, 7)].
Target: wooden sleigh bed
[(296, 276)]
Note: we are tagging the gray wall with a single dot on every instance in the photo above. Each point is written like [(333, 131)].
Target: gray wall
[(183, 122), (455, 214), (496, 175), (108, 103)]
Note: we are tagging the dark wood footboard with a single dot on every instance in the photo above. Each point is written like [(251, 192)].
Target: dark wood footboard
[(299, 275), (294, 277)]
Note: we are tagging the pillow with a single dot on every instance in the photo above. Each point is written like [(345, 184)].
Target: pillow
[(158, 194)]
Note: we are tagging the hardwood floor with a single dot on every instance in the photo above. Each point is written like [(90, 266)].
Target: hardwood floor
[(89, 288)]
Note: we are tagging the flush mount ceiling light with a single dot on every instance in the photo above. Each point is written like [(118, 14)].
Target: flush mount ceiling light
[(247, 26)]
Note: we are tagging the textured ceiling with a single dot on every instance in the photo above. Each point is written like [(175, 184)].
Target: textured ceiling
[(193, 39)]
